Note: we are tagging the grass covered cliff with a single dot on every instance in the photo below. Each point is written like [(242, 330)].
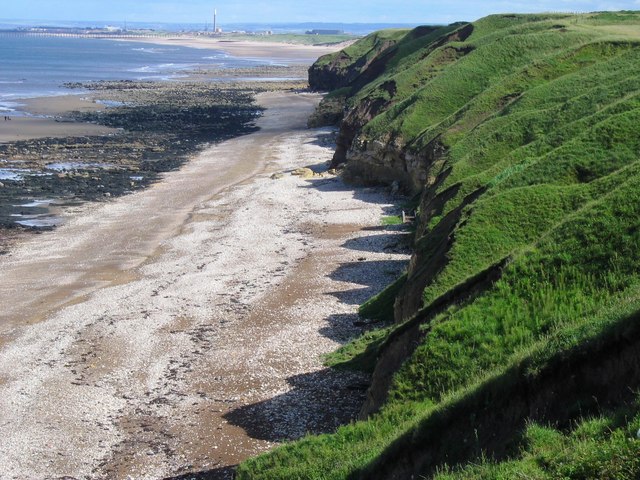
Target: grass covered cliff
[(512, 345)]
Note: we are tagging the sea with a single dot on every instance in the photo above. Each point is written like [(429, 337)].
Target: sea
[(33, 66)]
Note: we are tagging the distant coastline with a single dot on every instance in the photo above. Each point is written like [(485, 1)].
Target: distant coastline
[(356, 29), (265, 47), (103, 133), (72, 33), (290, 52)]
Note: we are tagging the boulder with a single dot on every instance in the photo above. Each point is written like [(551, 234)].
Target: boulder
[(303, 172)]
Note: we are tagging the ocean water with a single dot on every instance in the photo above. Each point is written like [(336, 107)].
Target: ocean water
[(39, 66)]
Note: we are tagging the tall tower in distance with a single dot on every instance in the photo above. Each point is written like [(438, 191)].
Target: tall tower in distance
[(215, 20)]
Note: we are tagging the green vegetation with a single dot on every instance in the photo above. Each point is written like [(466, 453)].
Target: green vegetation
[(367, 46), (599, 448), (341, 68), (392, 220), (516, 350), (380, 306), (361, 354)]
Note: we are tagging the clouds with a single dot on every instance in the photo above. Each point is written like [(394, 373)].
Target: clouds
[(188, 11)]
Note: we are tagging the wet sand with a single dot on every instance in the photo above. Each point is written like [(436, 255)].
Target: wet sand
[(50, 119), (28, 128), (99, 240), (157, 127), (180, 329), (61, 104)]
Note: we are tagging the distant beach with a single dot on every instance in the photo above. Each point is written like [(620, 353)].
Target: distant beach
[(275, 51), (35, 66), (39, 104)]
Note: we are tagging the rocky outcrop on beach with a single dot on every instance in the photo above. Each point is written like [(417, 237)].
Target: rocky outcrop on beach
[(159, 125)]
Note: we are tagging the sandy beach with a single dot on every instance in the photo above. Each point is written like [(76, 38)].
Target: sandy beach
[(180, 329), (155, 127), (26, 128), (48, 119), (288, 52), (59, 105)]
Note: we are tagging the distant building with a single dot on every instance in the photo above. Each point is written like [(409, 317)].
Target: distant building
[(324, 32)]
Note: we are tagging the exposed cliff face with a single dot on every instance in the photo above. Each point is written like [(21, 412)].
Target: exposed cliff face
[(341, 69), (386, 158), (335, 71), (429, 259), (384, 161)]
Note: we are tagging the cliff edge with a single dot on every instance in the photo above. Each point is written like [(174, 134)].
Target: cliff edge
[(511, 344)]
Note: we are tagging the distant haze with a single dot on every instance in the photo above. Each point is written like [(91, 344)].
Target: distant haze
[(350, 28), (288, 11)]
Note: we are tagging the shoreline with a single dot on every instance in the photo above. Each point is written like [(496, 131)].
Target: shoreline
[(75, 131), (32, 128), (45, 113), (57, 116), (70, 131), (168, 211), (144, 366), (103, 152), (178, 327), (288, 52), (48, 117)]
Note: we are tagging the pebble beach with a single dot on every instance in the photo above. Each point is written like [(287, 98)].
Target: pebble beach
[(180, 328)]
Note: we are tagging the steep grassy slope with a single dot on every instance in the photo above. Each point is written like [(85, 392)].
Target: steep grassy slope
[(337, 69), (515, 351)]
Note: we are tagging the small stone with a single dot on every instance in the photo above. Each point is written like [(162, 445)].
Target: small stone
[(303, 172), (1, 184), (277, 176)]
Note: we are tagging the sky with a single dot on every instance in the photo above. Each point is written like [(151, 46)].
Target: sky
[(288, 11)]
